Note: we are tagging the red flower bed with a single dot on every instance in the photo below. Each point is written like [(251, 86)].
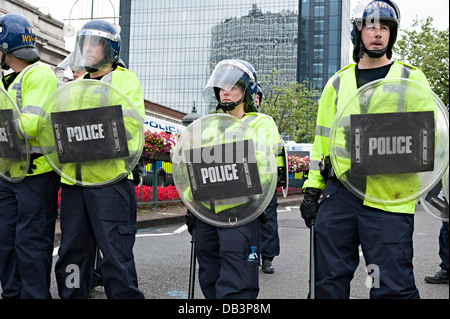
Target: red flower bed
[(145, 193)]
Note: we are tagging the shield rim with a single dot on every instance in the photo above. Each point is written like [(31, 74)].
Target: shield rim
[(27, 145), (136, 116), (243, 221)]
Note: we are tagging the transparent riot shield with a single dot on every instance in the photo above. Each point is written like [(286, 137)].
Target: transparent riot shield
[(14, 149), (91, 133), (436, 203), (389, 141), (285, 189), (224, 174), (445, 184)]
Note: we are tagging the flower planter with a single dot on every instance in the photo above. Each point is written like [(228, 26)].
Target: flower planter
[(160, 157)]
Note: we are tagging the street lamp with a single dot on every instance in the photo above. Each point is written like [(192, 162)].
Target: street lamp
[(69, 30), (191, 117)]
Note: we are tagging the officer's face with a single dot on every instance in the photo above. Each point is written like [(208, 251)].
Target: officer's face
[(77, 74), (257, 100), (93, 50), (375, 36), (234, 95)]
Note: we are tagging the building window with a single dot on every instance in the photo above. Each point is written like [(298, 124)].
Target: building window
[(318, 54), (317, 68), (318, 39), (319, 11), (319, 25)]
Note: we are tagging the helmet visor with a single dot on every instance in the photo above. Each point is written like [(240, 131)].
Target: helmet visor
[(91, 50), (226, 75)]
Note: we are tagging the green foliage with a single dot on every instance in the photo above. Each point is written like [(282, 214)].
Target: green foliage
[(291, 105), (427, 49)]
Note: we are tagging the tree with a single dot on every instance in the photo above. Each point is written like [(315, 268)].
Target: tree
[(427, 49), (291, 105)]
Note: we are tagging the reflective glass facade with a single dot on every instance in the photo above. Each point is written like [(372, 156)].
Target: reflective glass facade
[(173, 45)]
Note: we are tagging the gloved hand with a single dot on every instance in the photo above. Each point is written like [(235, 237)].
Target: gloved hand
[(191, 220), (263, 218), (310, 205), (281, 178)]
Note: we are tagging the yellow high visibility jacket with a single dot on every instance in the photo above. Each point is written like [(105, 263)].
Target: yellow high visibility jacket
[(337, 90), (30, 89), (267, 129)]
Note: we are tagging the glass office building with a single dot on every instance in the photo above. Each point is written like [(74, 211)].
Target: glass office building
[(173, 45)]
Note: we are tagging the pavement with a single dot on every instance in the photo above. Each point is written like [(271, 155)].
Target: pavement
[(175, 214)]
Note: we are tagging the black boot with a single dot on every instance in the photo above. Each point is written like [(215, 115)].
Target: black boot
[(267, 267), (441, 277)]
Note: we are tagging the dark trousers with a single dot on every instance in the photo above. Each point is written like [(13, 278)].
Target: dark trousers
[(105, 216), (270, 241), (443, 245), (343, 223), (223, 271), (28, 212)]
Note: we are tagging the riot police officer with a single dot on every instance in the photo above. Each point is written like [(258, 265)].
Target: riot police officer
[(28, 208), (342, 220), (107, 213), (224, 271)]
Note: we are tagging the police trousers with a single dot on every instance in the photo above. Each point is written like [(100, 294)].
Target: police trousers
[(343, 224), (223, 271), (270, 241), (28, 212), (443, 246), (106, 217)]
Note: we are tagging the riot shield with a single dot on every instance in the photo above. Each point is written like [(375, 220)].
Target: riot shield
[(91, 133), (445, 184), (223, 173), (435, 202), (14, 149), (285, 189), (389, 141)]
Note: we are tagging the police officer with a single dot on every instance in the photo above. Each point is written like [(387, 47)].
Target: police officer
[(29, 208), (223, 270), (342, 220), (106, 213), (65, 71), (270, 241)]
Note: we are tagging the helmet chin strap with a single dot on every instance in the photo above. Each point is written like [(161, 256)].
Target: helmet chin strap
[(3, 60), (375, 54), (231, 105)]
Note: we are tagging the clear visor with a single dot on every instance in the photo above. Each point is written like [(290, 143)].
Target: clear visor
[(376, 12), (91, 49), (225, 76)]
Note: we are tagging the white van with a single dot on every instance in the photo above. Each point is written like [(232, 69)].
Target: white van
[(154, 124), (163, 169), (298, 149)]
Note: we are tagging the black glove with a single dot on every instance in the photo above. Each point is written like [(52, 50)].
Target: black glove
[(191, 220), (281, 178), (263, 218), (136, 175), (310, 205)]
